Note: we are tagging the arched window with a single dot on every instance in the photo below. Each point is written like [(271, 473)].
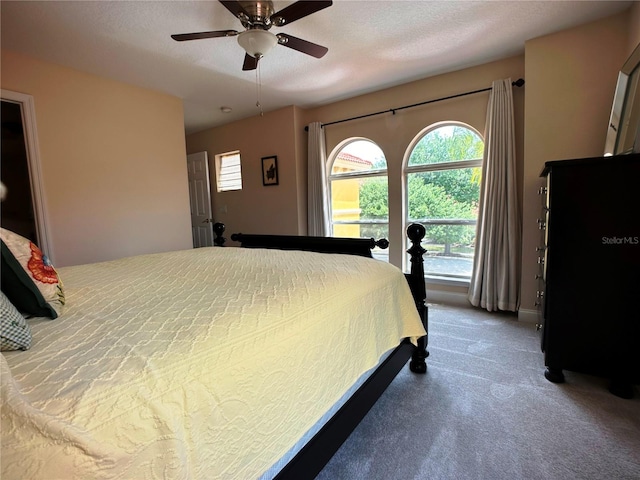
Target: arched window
[(359, 199), (443, 173)]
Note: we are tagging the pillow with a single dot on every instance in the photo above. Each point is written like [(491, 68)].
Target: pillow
[(15, 334), (28, 279)]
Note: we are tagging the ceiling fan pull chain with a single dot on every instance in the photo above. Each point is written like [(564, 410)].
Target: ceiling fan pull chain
[(258, 89)]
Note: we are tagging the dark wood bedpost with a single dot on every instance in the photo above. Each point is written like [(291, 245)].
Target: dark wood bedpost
[(415, 278), (218, 229)]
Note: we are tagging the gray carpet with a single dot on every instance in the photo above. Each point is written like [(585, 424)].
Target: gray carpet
[(485, 411)]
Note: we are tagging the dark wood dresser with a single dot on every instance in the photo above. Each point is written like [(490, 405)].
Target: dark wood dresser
[(590, 269)]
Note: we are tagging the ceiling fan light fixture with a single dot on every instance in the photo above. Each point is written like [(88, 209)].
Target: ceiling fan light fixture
[(257, 43)]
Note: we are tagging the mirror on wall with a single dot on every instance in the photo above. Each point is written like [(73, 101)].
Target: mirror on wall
[(623, 134)]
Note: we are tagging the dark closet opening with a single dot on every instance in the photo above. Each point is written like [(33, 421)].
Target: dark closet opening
[(17, 212)]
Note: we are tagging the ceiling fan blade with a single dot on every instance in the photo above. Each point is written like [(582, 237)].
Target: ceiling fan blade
[(181, 37), (303, 46), (298, 10), (250, 63), (235, 8)]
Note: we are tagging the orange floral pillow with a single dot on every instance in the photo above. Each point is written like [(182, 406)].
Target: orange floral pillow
[(28, 278)]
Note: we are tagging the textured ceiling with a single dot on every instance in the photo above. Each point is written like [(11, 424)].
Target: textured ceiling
[(372, 44)]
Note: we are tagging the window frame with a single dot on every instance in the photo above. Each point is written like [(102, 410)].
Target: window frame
[(221, 186), (436, 167), (373, 173)]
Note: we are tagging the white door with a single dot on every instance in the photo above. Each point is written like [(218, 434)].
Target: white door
[(200, 198)]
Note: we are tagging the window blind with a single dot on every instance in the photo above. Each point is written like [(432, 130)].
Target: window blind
[(228, 172)]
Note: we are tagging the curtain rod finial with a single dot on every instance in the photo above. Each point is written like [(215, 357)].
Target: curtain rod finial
[(519, 82)]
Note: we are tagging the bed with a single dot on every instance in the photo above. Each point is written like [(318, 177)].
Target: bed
[(223, 362)]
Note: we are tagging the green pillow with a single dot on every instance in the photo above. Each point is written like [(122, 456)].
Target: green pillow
[(28, 279), (15, 333)]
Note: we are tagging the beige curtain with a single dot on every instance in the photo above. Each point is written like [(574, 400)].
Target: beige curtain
[(495, 279), (317, 209)]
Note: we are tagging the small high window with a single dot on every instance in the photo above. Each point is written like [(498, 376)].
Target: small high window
[(228, 172)]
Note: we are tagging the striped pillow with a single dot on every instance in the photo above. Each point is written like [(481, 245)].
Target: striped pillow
[(15, 333)]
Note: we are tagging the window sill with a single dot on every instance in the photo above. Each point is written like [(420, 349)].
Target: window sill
[(452, 282)]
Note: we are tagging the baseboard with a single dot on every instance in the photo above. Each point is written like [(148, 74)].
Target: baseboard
[(460, 299), (530, 316), (455, 299)]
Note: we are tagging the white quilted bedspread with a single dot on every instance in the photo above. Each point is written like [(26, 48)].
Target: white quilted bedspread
[(199, 364)]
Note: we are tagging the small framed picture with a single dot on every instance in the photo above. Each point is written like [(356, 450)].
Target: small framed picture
[(270, 170)]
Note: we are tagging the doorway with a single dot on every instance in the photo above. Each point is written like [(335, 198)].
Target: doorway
[(18, 214), (200, 199), (23, 209)]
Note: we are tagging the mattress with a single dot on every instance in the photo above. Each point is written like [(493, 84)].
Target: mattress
[(202, 364)]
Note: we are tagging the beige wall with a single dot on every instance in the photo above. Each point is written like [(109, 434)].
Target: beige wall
[(571, 79), (634, 28), (257, 208), (113, 162)]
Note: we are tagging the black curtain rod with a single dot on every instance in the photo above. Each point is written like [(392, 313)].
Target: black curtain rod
[(517, 83)]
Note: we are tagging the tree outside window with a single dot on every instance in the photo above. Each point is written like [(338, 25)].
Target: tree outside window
[(443, 189), (443, 174)]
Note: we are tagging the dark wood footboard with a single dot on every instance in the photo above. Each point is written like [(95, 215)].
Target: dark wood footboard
[(347, 246), (319, 450), (353, 246)]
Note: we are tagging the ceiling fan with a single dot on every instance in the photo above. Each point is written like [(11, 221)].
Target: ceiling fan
[(258, 17)]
